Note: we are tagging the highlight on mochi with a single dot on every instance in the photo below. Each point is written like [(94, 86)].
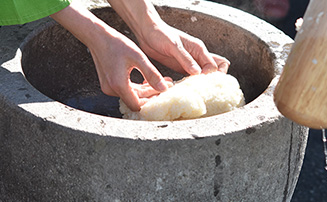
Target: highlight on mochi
[(192, 97)]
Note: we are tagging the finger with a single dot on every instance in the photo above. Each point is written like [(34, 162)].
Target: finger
[(169, 82), (201, 54), (130, 97), (144, 95), (207, 63), (132, 94), (127, 93), (186, 60), (144, 90), (166, 78), (151, 74), (222, 62), (144, 100), (120, 86), (223, 67)]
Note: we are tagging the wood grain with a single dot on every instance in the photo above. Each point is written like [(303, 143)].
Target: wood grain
[(301, 93)]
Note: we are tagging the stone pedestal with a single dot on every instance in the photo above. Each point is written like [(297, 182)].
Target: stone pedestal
[(61, 139)]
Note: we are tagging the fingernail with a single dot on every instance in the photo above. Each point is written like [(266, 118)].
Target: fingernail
[(161, 85), (223, 67), (196, 69)]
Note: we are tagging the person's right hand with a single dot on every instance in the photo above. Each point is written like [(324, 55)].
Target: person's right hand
[(166, 44), (179, 50)]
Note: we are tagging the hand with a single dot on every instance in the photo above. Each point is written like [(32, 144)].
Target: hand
[(173, 48), (180, 51), (115, 56)]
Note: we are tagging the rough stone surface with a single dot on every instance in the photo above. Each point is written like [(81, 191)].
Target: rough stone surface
[(53, 152)]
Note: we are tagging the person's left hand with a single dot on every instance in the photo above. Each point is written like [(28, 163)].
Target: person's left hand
[(180, 51)]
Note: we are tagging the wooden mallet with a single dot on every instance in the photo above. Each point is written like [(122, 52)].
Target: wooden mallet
[(301, 93)]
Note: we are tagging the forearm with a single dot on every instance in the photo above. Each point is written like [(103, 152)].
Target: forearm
[(139, 15), (83, 25)]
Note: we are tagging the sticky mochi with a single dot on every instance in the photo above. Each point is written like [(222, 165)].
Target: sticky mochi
[(192, 97)]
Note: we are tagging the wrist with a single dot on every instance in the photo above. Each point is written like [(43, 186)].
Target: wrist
[(85, 26), (139, 15)]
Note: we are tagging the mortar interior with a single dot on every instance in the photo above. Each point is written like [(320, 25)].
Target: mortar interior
[(61, 67)]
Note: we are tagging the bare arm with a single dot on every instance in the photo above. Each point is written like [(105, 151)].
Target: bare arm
[(114, 55)]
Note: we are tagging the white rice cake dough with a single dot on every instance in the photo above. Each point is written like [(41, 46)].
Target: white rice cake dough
[(192, 97)]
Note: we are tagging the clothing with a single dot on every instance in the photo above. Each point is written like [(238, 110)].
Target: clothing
[(22, 11)]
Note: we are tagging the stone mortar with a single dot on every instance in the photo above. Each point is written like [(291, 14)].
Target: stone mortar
[(50, 151)]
